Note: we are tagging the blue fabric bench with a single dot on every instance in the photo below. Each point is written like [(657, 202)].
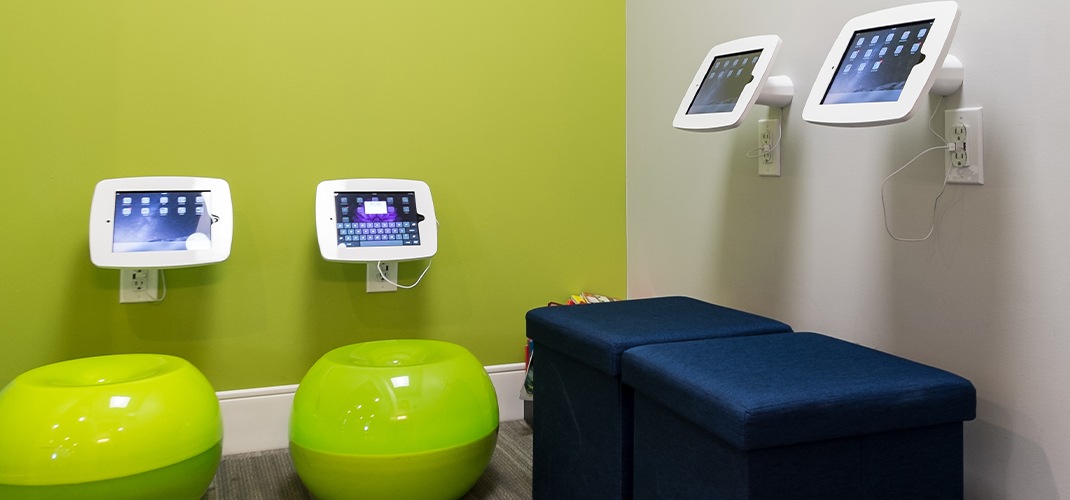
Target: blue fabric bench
[(582, 438), (797, 415)]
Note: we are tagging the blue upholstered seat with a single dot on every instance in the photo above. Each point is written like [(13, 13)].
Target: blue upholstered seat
[(796, 415), (598, 335), (582, 415)]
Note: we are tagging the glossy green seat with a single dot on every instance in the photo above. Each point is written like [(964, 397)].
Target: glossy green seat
[(128, 426), (405, 419)]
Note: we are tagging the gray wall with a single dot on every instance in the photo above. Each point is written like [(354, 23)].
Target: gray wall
[(986, 297)]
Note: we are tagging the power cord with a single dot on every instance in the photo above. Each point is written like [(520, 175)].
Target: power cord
[(758, 152), (407, 287), (378, 265), (884, 205), (163, 285)]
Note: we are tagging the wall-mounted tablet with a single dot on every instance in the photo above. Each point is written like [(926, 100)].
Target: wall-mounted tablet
[(732, 78), (373, 220), (883, 62), (160, 222)]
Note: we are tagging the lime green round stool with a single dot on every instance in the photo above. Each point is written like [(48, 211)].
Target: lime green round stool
[(129, 426), (404, 419)]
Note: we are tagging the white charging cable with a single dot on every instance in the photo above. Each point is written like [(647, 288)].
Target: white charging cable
[(758, 152), (378, 265), (884, 205)]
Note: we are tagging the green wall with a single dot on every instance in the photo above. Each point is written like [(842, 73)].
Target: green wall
[(513, 113)]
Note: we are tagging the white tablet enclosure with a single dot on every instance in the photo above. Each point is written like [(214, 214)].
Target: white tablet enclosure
[(883, 62), (375, 220), (732, 78), (160, 222)]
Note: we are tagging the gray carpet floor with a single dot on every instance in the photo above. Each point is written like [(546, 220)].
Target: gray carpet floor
[(270, 475)]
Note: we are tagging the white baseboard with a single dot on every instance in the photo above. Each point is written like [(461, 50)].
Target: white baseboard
[(258, 419)]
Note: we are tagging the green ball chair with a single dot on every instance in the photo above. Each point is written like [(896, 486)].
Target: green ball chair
[(394, 419), (129, 426)]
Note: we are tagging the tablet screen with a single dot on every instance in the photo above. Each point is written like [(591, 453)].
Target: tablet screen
[(153, 221), (724, 82), (370, 218), (877, 63)]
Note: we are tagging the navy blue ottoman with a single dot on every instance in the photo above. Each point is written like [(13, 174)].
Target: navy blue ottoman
[(794, 416), (582, 416)]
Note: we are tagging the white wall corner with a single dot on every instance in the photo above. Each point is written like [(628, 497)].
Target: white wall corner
[(258, 419)]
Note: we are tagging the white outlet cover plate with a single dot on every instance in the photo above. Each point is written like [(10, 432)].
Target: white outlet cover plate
[(376, 282), (974, 173), (769, 168)]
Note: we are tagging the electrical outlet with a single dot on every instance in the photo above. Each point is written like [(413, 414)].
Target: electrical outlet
[(769, 147), (139, 285), (959, 158), (375, 280), (964, 164)]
